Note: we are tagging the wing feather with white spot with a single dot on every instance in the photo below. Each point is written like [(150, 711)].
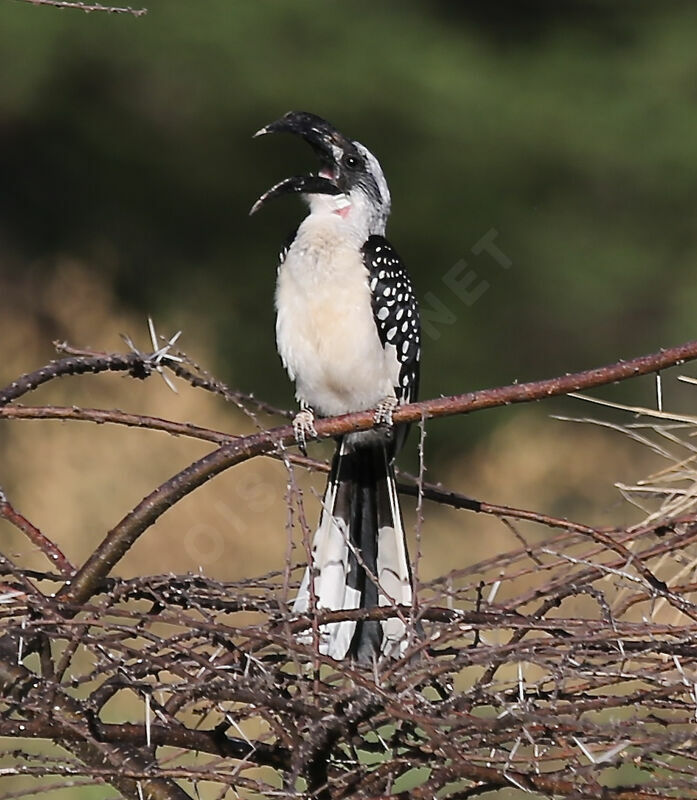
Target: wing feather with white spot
[(396, 312)]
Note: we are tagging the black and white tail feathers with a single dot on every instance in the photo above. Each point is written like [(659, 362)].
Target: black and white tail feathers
[(359, 554)]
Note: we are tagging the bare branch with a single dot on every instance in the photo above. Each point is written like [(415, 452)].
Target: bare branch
[(204, 741), (187, 369), (537, 668), (89, 7), (121, 538), (132, 363), (52, 552), (101, 416)]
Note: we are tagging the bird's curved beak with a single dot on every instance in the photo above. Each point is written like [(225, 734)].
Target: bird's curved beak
[(327, 143)]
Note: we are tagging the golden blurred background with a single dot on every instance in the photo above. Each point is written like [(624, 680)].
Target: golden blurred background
[(560, 133)]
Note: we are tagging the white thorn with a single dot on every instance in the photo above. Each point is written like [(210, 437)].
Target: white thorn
[(586, 752), (494, 591), (679, 668), (153, 335), (516, 783), (147, 719), (20, 646), (130, 343), (168, 380), (9, 596), (612, 752), (240, 731)]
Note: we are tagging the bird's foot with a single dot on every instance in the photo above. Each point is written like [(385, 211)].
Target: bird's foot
[(304, 427), (384, 410)]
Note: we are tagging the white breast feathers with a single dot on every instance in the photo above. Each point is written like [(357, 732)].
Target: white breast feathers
[(325, 330)]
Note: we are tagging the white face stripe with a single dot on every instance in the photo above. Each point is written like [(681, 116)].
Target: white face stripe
[(369, 213), (377, 173)]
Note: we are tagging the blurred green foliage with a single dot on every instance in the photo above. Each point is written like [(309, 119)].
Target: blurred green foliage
[(567, 128)]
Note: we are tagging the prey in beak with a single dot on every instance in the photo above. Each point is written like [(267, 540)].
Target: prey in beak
[(334, 151)]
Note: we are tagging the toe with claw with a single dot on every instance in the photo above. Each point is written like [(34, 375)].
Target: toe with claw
[(304, 427), (384, 410)]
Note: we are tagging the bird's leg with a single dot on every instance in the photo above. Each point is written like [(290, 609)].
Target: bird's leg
[(384, 410), (304, 426)]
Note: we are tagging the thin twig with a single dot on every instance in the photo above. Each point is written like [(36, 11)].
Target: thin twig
[(89, 7), (52, 552)]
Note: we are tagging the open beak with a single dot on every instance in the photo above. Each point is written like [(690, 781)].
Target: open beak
[(327, 143)]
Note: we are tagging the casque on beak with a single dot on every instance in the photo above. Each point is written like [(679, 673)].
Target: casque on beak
[(325, 140)]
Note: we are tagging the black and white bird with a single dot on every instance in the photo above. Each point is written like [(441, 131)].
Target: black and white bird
[(348, 333)]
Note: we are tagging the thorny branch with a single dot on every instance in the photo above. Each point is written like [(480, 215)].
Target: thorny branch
[(126, 532), (89, 7), (47, 547), (529, 692)]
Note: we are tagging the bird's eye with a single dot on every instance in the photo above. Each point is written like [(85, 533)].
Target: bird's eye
[(351, 162)]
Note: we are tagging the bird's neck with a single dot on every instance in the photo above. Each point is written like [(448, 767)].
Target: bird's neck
[(348, 214)]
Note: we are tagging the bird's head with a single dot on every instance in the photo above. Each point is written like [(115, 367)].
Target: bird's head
[(349, 181)]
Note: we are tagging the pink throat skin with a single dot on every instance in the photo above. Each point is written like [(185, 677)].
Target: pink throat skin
[(329, 174)]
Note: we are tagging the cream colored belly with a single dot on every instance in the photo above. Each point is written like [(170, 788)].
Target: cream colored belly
[(326, 334)]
